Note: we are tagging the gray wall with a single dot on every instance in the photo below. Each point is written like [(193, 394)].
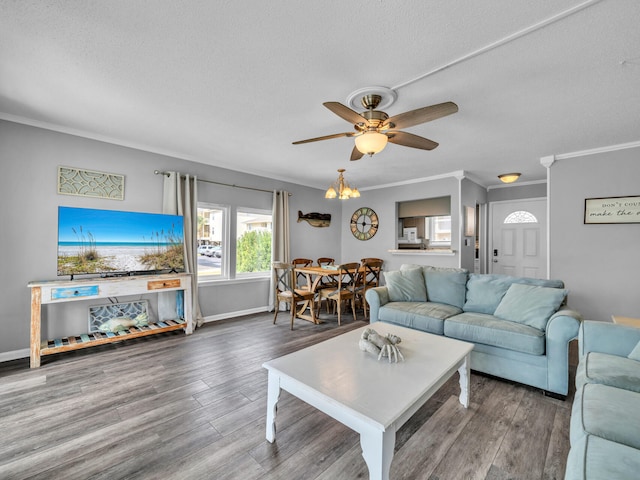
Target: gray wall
[(598, 263), (517, 192), (472, 194), (30, 157), (383, 202)]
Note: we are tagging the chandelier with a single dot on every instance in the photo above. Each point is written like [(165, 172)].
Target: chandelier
[(341, 189)]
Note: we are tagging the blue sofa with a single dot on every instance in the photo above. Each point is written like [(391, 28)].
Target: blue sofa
[(605, 418), (520, 326)]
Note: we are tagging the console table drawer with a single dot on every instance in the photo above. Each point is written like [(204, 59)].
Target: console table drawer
[(160, 284), (73, 292)]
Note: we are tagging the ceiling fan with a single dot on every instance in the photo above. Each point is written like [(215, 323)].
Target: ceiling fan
[(374, 128)]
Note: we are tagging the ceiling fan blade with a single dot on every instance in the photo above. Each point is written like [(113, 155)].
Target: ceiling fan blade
[(346, 113), (356, 154), (421, 115), (326, 137), (410, 140)]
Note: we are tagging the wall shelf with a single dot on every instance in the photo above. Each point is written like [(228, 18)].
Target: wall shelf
[(52, 292)]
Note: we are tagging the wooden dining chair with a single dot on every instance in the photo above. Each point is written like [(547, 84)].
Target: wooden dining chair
[(326, 282), (324, 261), (285, 291), (368, 259), (369, 278), (345, 290), (301, 278)]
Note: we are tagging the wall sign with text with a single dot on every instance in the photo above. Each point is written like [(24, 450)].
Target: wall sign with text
[(612, 210)]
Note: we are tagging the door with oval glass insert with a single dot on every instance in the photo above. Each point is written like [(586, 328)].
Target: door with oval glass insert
[(518, 244)]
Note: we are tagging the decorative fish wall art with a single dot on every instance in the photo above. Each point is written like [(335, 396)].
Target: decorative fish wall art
[(315, 219)]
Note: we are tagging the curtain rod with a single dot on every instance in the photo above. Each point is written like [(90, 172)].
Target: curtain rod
[(158, 172)]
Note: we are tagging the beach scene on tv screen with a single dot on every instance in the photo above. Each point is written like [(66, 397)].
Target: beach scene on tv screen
[(111, 241)]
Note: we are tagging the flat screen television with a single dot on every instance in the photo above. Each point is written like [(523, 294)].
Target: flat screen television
[(113, 242)]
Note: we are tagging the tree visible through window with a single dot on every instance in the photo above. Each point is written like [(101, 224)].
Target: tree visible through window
[(253, 243)]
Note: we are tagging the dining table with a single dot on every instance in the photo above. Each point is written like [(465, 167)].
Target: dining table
[(314, 276)]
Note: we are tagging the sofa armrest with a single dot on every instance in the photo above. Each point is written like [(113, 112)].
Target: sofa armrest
[(376, 297), (562, 327), (606, 337)]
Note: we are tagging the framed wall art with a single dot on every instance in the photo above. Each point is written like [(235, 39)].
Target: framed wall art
[(612, 210), (469, 221), (89, 183)]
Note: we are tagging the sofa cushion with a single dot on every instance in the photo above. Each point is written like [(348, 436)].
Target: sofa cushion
[(594, 458), (606, 369), (606, 412), (446, 285), (425, 316), (635, 353), (406, 285), (530, 304), (485, 291), (489, 330)]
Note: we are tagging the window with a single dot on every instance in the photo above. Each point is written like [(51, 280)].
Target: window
[(253, 242), (439, 229), (211, 240), (521, 216), (251, 246)]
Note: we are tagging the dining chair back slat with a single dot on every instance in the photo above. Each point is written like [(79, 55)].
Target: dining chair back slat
[(370, 278), (326, 282), (301, 278), (348, 275), (285, 290)]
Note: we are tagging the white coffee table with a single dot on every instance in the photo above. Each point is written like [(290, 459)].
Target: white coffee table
[(374, 398)]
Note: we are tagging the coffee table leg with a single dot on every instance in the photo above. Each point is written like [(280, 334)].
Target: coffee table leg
[(465, 379), (377, 450), (273, 394)]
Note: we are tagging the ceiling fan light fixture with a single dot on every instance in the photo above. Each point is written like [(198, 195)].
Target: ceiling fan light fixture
[(371, 142), (509, 177)]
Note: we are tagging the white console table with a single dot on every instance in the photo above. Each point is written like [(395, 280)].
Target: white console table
[(51, 292)]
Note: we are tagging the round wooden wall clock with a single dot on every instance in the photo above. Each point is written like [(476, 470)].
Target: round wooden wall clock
[(364, 223)]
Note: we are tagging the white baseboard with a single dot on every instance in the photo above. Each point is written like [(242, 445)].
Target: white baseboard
[(14, 355), (239, 313), (24, 353)]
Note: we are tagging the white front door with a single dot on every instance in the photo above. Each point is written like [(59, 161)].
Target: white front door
[(518, 244)]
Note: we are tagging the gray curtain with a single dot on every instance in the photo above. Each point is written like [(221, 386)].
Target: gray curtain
[(180, 197), (281, 236)]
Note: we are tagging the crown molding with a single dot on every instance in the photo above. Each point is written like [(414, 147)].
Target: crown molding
[(458, 174), (594, 151), (515, 184)]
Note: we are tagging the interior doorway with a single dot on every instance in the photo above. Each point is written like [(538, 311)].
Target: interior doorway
[(518, 238)]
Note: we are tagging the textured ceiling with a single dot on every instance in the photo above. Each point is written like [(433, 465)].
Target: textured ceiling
[(233, 83)]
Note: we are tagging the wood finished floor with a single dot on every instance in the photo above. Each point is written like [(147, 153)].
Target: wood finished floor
[(193, 407)]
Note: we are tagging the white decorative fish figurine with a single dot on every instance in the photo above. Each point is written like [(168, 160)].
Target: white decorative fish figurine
[(315, 219), (118, 324)]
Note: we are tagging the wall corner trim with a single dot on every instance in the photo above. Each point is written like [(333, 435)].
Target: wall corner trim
[(548, 161)]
